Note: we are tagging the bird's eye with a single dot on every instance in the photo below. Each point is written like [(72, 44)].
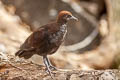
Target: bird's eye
[(68, 16)]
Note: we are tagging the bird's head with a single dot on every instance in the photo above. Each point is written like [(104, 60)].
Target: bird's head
[(65, 16)]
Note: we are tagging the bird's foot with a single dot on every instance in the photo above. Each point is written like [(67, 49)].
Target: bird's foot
[(52, 68), (49, 72)]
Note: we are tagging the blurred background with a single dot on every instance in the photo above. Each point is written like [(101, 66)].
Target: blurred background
[(91, 43)]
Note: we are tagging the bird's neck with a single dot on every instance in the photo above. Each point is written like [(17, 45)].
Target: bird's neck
[(61, 21), (63, 28)]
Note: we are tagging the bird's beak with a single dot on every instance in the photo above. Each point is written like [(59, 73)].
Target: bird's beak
[(72, 17)]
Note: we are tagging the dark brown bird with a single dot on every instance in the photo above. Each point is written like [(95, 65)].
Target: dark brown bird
[(46, 39)]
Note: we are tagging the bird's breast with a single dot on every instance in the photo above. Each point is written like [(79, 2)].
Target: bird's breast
[(59, 35)]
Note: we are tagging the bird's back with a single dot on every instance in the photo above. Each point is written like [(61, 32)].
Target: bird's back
[(45, 40)]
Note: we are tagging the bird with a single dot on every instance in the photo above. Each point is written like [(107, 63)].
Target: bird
[(46, 39)]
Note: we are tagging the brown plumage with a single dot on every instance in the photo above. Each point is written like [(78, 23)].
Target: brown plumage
[(46, 39)]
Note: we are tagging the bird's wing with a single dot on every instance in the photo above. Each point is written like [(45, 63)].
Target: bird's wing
[(36, 40)]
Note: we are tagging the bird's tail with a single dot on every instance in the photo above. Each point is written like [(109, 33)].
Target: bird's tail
[(19, 53), (25, 54)]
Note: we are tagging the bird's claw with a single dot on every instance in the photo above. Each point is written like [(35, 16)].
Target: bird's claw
[(52, 68), (49, 72)]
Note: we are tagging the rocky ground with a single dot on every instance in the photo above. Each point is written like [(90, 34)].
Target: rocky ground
[(94, 46)]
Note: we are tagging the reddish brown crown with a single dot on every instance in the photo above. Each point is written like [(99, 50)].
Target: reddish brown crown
[(64, 13), (61, 16)]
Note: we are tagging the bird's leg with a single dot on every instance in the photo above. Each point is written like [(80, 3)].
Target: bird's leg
[(47, 65), (50, 65)]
